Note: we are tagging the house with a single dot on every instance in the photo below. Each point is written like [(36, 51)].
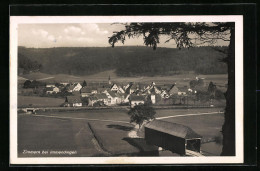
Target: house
[(131, 88), (51, 90), (155, 90), (173, 90), (136, 100), (164, 94), (114, 99), (103, 98), (74, 101), (114, 87), (70, 88), (86, 91), (171, 136), (153, 99), (126, 98), (120, 90), (50, 85), (101, 90), (182, 91), (92, 100), (64, 83), (77, 87)]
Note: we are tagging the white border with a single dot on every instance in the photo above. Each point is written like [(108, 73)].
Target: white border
[(16, 20)]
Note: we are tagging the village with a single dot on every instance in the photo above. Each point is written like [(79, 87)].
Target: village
[(108, 93)]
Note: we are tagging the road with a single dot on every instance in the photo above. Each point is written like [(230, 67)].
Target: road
[(118, 121)]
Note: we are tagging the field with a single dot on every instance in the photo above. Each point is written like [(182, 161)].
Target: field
[(44, 134), (105, 132), (34, 101), (181, 79)]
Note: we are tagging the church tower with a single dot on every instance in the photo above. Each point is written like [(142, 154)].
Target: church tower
[(109, 81)]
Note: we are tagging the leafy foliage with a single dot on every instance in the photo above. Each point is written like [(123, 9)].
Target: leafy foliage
[(25, 65), (140, 113), (184, 34)]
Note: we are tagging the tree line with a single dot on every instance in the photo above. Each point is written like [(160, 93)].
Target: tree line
[(127, 61)]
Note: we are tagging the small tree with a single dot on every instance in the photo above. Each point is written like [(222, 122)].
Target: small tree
[(27, 84), (84, 84), (140, 113), (212, 89)]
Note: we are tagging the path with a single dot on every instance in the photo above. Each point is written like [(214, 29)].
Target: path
[(192, 114), (47, 78), (64, 117)]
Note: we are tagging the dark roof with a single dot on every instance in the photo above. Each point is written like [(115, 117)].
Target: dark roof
[(49, 88), (85, 90), (136, 98), (174, 129), (101, 96), (100, 90), (183, 89), (71, 87), (112, 94), (166, 87), (73, 99)]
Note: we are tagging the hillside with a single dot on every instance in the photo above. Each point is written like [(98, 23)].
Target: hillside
[(126, 61)]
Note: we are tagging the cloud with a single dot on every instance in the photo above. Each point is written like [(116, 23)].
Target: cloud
[(44, 34), (41, 32), (73, 30), (94, 28), (51, 38)]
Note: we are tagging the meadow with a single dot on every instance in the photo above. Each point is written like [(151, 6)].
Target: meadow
[(35, 101), (109, 131), (101, 77)]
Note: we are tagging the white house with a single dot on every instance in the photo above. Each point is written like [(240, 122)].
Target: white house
[(114, 98), (77, 87), (50, 85), (85, 92), (51, 90), (120, 90), (114, 87), (74, 101), (136, 100), (153, 99), (164, 94), (182, 91)]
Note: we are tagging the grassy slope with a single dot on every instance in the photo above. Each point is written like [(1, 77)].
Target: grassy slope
[(111, 136)]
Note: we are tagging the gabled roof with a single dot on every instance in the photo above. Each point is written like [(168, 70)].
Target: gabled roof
[(93, 98), (166, 87), (73, 99), (75, 84), (174, 89), (86, 90), (100, 90), (174, 129), (101, 96), (112, 94), (70, 87), (136, 98)]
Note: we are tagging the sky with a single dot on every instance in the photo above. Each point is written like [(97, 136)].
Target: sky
[(78, 35)]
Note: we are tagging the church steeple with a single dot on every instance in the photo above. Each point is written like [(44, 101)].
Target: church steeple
[(109, 81)]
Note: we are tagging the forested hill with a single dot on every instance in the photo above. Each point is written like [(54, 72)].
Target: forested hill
[(127, 61)]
